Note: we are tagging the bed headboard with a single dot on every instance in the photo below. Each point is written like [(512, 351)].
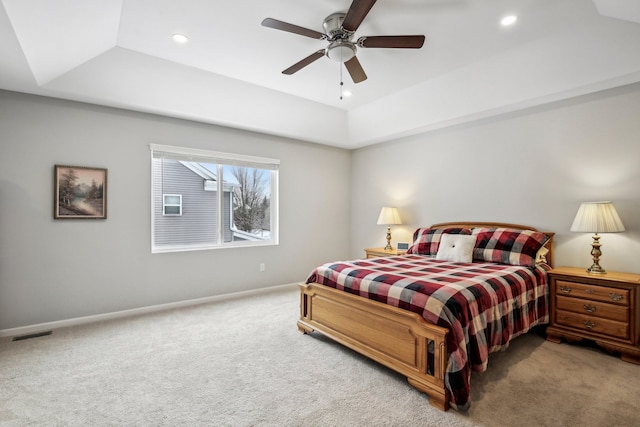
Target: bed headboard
[(468, 224)]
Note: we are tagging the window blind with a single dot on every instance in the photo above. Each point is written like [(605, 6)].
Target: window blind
[(206, 156)]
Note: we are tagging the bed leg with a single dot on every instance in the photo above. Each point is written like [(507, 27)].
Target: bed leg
[(440, 404), (436, 398)]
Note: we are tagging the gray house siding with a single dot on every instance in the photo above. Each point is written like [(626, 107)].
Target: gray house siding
[(198, 222)]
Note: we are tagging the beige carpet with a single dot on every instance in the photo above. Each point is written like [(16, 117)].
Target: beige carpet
[(242, 362)]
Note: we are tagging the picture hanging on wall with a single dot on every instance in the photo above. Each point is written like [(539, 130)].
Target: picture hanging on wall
[(80, 192)]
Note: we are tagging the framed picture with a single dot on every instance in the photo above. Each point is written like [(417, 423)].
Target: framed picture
[(79, 192)]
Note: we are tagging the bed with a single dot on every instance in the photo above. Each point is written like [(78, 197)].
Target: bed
[(434, 315)]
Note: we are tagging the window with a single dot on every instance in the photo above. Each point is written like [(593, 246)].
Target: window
[(172, 204), (205, 199)]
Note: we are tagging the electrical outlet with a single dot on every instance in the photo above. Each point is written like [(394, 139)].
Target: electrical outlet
[(262, 267)]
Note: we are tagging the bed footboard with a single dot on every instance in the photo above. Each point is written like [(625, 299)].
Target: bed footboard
[(399, 339)]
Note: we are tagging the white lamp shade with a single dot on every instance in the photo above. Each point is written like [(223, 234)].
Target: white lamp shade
[(389, 216), (597, 217)]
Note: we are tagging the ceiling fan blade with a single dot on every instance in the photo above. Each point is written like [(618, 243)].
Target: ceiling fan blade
[(356, 14), (306, 61), (285, 26), (402, 42), (355, 70)]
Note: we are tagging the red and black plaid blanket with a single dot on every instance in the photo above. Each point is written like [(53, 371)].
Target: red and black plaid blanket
[(484, 305)]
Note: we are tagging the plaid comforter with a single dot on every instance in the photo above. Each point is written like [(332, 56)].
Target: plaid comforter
[(484, 305)]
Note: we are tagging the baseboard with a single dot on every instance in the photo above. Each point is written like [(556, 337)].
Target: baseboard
[(48, 326)]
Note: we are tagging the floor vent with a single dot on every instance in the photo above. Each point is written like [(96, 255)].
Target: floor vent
[(36, 335)]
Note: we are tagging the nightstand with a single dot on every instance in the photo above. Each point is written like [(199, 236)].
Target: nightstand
[(604, 308), (378, 252)]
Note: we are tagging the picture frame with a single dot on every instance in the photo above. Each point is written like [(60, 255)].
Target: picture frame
[(80, 192)]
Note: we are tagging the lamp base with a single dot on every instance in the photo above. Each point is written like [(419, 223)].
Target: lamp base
[(388, 247), (596, 269), (596, 253)]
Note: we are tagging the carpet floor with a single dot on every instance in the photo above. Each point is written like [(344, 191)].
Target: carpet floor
[(242, 362)]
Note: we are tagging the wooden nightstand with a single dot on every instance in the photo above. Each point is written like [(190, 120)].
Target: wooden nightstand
[(377, 252), (604, 308)]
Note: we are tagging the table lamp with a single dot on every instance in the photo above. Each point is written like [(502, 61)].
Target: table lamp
[(389, 216), (597, 217)]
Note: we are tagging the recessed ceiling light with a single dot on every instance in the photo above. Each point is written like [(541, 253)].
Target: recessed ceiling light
[(180, 38), (346, 93), (508, 20)]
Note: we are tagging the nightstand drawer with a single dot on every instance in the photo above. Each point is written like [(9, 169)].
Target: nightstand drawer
[(593, 292), (593, 324), (593, 308)]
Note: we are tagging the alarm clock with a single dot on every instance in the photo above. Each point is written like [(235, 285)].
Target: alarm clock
[(402, 246)]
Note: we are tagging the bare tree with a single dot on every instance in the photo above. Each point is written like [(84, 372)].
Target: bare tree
[(264, 217), (248, 198)]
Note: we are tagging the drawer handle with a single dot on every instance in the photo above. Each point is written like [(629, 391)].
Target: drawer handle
[(615, 297), (589, 324), (589, 308), (565, 289)]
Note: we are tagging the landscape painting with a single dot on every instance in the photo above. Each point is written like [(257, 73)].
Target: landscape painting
[(80, 192)]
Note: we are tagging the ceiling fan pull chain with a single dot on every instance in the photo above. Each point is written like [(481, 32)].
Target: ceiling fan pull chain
[(341, 82)]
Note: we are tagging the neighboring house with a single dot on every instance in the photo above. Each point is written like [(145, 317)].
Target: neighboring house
[(185, 205)]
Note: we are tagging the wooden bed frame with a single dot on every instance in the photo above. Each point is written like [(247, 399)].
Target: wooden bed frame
[(399, 339)]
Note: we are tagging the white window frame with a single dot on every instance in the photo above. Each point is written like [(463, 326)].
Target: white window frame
[(173, 205), (221, 159)]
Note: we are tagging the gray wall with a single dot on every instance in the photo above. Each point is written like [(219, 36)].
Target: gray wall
[(54, 270), (533, 167)]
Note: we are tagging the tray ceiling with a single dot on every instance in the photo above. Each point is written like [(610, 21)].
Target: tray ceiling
[(120, 53)]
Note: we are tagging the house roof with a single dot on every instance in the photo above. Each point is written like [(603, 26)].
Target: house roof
[(200, 170), (120, 53), (209, 177)]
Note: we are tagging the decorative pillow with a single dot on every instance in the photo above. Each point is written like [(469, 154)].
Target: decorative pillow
[(456, 247), (541, 256), (427, 240), (508, 245)]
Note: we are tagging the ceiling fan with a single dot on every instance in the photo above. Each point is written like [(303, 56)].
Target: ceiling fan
[(339, 31)]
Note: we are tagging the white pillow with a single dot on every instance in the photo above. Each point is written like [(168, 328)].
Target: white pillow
[(456, 247)]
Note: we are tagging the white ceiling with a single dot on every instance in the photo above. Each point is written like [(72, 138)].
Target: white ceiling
[(120, 53)]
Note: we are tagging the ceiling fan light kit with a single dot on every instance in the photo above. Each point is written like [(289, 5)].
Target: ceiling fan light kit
[(341, 51), (339, 29)]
